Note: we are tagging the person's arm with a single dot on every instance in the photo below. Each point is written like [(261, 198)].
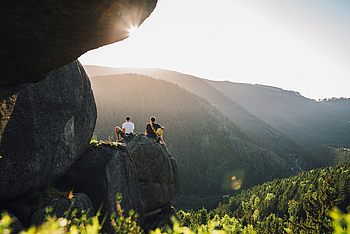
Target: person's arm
[(123, 127), (146, 130)]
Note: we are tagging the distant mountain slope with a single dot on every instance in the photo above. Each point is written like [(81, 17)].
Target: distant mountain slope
[(304, 120), (262, 133), (274, 115), (210, 148)]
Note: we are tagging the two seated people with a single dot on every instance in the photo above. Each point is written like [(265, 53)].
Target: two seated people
[(153, 130)]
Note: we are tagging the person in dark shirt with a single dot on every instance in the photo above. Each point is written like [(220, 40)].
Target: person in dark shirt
[(154, 130)]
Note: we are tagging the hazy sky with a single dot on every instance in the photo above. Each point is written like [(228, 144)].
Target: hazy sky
[(301, 45)]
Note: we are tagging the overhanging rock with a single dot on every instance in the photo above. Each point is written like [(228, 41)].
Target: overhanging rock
[(39, 36)]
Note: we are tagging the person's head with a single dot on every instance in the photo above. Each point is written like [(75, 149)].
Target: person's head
[(127, 118), (153, 119)]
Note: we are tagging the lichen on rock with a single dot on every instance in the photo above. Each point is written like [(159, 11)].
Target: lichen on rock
[(6, 108)]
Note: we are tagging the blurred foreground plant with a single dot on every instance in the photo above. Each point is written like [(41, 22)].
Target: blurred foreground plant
[(75, 222), (5, 223), (128, 224), (341, 221), (124, 224)]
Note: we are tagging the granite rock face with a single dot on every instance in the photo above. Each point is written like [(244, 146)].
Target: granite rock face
[(142, 170), (101, 173), (50, 127), (156, 170), (40, 36)]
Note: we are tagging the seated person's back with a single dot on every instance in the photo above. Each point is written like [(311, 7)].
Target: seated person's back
[(154, 130), (129, 127), (126, 131), (149, 130)]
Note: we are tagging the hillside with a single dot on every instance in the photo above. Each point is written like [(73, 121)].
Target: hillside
[(261, 132), (303, 120), (299, 204), (209, 148), (282, 120)]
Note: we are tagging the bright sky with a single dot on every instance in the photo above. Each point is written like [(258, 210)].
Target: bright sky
[(300, 45)]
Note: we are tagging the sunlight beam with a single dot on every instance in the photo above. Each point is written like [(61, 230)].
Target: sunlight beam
[(132, 31)]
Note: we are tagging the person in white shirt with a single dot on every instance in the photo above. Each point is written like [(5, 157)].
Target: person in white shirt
[(126, 131)]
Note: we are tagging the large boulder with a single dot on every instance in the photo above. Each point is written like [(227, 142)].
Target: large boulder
[(102, 172), (156, 170), (39, 36), (142, 170), (51, 125)]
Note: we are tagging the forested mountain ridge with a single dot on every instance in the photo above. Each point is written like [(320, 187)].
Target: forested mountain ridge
[(277, 117), (210, 148), (304, 120), (262, 132), (299, 204)]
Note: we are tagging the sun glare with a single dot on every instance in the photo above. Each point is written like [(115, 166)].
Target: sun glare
[(132, 31)]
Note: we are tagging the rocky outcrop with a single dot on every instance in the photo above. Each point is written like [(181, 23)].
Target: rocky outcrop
[(142, 170), (45, 128), (103, 171), (39, 36), (50, 127), (156, 170)]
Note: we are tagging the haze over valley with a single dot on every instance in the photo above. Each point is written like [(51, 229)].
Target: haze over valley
[(219, 130)]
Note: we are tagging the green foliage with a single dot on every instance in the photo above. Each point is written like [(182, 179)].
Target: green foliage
[(300, 204), (341, 221), (201, 221), (319, 156), (122, 224), (104, 143), (216, 225), (72, 223), (5, 223), (61, 226)]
